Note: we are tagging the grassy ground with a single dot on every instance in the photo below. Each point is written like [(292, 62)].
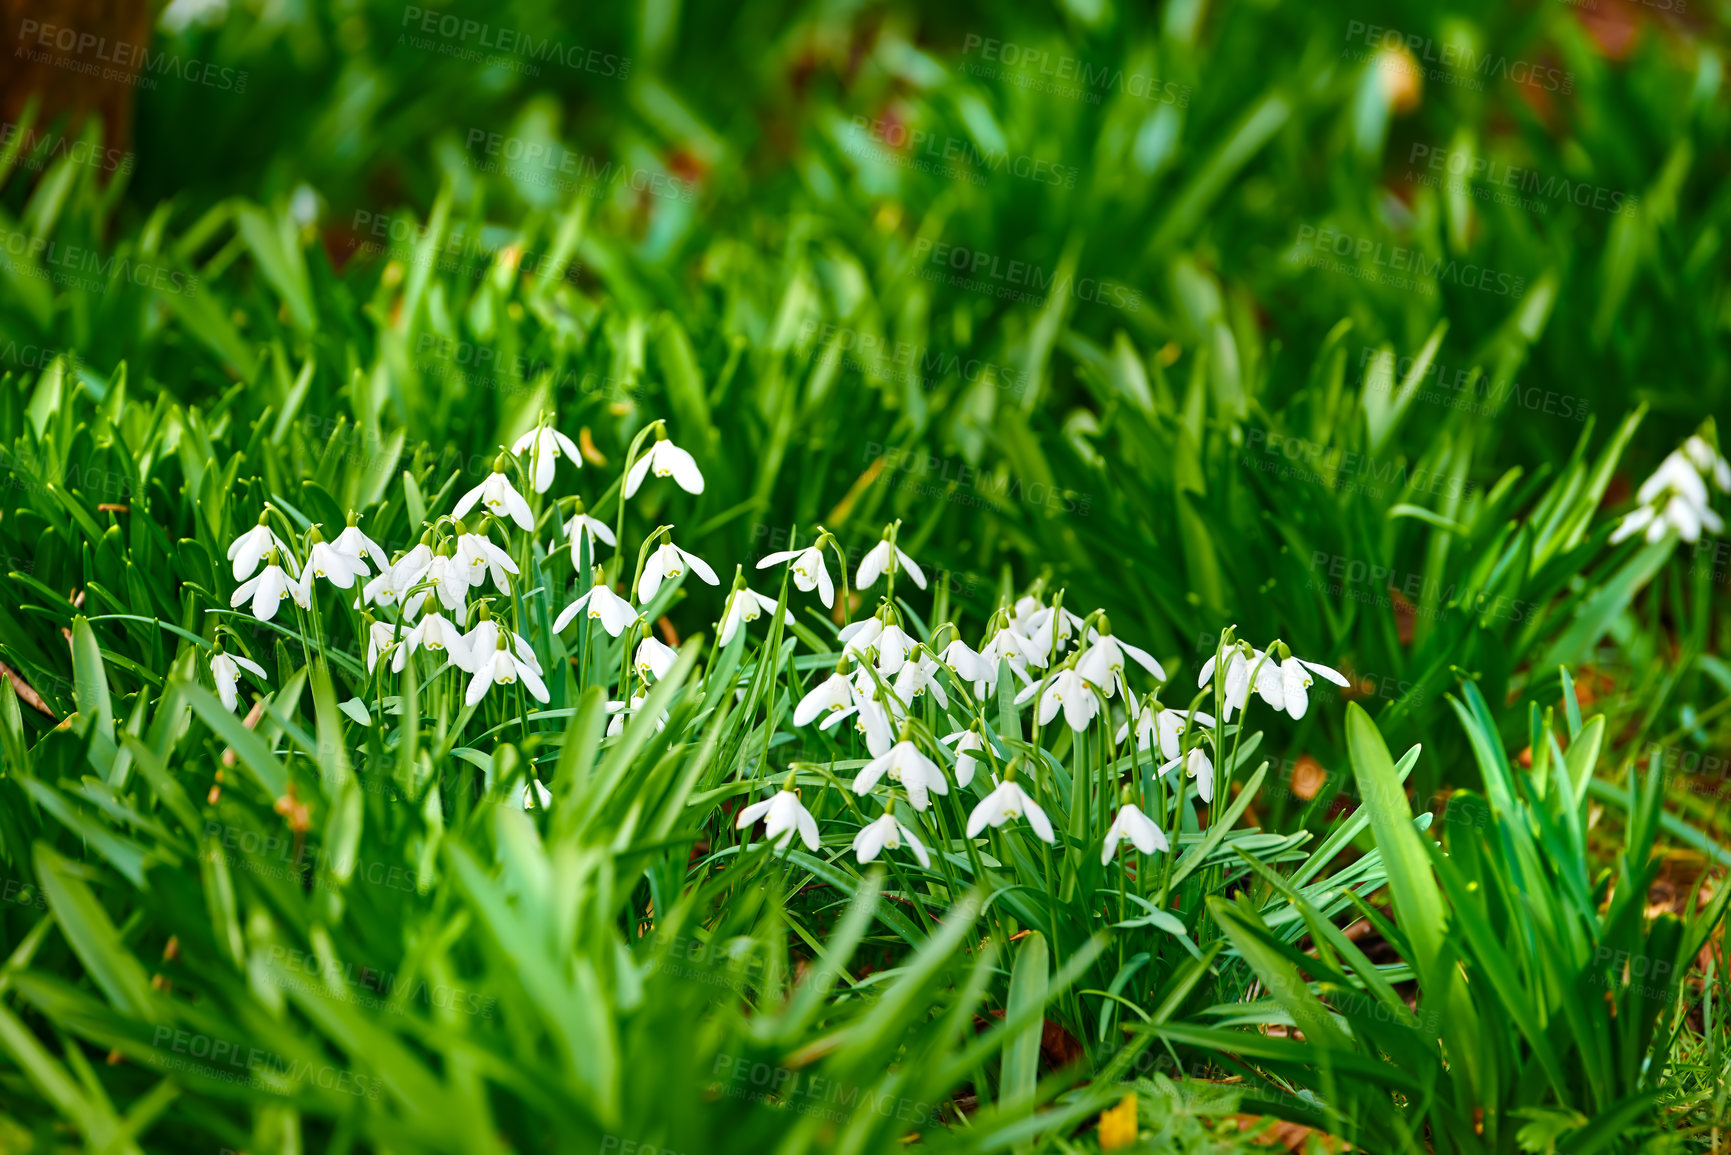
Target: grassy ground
[(1207, 325)]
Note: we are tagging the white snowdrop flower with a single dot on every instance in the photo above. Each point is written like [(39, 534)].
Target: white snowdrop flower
[(537, 795), (503, 669), (407, 570), (267, 590), (378, 591), (1284, 686), (1676, 474), (1005, 802), (1021, 616), (1136, 826), (480, 642), (326, 561), (665, 459), (225, 670), (967, 741), (669, 561), (885, 557), (1199, 766), (437, 635), (858, 637), (1007, 646), (619, 711), (1708, 462), (969, 666), (1102, 662), (1042, 645), (1064, 689), (834, 693), (866, 687), (359, 548), (477, 558), (809, 572), (602, 605), (250, 548), (888, 834), (916, 677), (1676, 496), (744, 606), (1160, 726), (381, 639), (904, 763), (874, 724), (1240, 667), (893, 646), (891, 643), (544, 444), (784, 814), (500, 497), (450, 581), (654, 657), (579, 526)]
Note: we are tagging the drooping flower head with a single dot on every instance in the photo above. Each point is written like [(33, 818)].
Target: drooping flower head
[(544, 445), (664, 459)]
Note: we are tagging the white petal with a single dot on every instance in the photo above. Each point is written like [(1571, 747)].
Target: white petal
[(700, 567), (914, 570), (469, 500), (869, 841), (1038, 820), (682, 466), (639, 471), (1328, 672)]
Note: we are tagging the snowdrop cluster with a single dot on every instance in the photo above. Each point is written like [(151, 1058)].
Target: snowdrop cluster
[(1059, 663), (926, 704), (1675, 497), (434, 598)]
